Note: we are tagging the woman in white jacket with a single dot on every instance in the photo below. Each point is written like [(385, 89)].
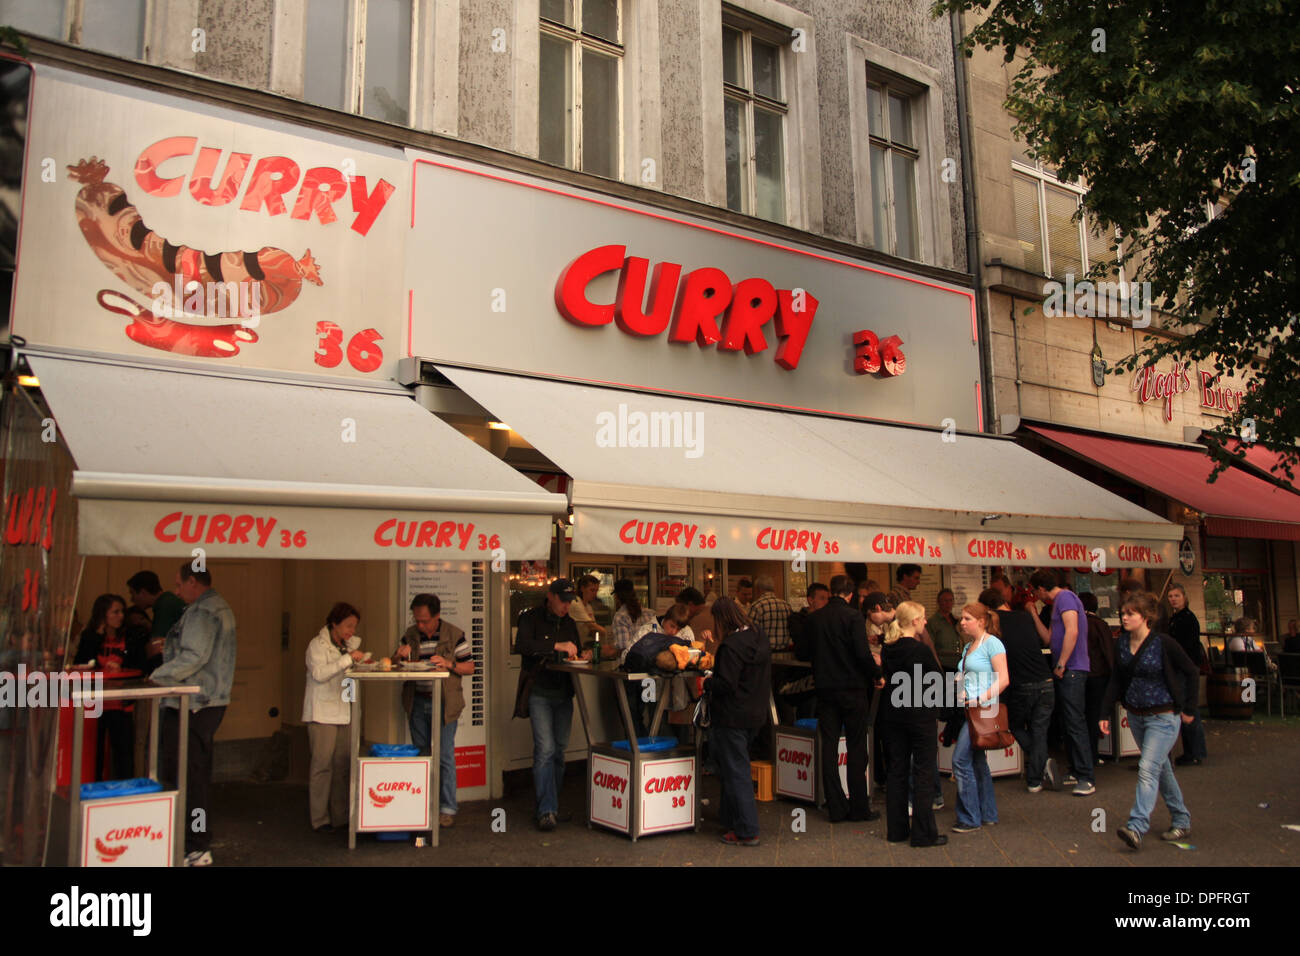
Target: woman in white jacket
[(327, 715)]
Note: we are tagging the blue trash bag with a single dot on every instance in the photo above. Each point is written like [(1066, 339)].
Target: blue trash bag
[(648, 744), (119, 788)]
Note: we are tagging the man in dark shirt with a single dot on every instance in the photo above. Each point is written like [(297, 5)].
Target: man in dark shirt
[(1032, 695), (542, 632), (835, 640), (164, 607), (1186, 630)]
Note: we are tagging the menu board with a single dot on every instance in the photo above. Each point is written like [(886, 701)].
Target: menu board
[(966, 581), (461, 587)]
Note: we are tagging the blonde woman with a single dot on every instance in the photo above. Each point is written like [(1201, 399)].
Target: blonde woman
[(907, 727), (982, 678)]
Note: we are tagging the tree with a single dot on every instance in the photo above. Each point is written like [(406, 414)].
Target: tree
[(1164, 108)]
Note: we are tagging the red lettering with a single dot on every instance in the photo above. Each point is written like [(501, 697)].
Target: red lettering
[(571, 289), (705, 295), (368, 207), (625, 532), (661, 529), (146, 167), (193, 533), (244, 524), (201, 179), (273, 176), (752, 303), (321, 187), (217, 529), (631, 296), (161, 529), (427, 531), (446, 531), (792, 326)]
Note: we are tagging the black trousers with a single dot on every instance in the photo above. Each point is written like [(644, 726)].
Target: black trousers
[(919, 741), (849, 710), (198, 769), (117, 729)]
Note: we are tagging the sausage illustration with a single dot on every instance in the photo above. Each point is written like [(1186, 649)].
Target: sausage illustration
[(108, 854), (379, 799), (268, 280)]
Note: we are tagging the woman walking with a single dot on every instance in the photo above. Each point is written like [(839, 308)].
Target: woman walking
[(1157, 682), (327, 715), (908, 729), (981, 680), (739, 691)]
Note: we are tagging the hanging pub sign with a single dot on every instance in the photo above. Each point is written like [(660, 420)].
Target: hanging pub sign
[(1186, 556)]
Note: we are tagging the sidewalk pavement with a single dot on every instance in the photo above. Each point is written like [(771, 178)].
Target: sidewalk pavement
[(1240, 801)]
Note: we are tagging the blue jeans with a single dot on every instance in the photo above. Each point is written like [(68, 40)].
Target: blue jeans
[(421, 711), (551, 718), (970, 768), (738, 812), (1071, 694), (1156, 734)]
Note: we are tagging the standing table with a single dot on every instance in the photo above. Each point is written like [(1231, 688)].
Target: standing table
[(630, 791), (394, 793), (115, 827)]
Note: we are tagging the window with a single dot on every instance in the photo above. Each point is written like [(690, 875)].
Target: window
[(579, 112), (894, 157), (358, 57), (111, 26), (754, 118), (1053, 243)]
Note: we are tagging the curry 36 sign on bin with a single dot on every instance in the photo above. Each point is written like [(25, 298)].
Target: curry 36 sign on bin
[(395, 793), (128, 831), (194, 232)]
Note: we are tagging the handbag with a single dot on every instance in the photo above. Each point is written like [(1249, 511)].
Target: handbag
[(524, 689), (988, 730)]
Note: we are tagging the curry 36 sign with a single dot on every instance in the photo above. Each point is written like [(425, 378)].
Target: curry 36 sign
[(155, 225)]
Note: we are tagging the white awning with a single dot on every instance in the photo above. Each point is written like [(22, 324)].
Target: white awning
[(168, 461), (666, 475)]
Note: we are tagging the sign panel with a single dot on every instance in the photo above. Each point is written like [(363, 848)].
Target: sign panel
[(612, 531), (515, 273), (394, 793), (128, 831), (156, 226), (796, 767), (164, 529), (1063, 552), (1128, 745), (1002, 763), (461, 589), (610, 797), (667, 794)]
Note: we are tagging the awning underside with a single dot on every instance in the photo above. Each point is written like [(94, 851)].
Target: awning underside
[(170, 460), (643, 464)]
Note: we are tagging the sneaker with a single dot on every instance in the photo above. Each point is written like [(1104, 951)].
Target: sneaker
[(1084, 789), (446, 820), (1049, 774), (938, 803), (1176, 833), (198, 858), (731, 839), (1134, 840), (1069, 780), (962, 828), (546, 822), (1038, 788)]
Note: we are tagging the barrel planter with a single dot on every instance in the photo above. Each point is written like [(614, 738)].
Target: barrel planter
[(1225, 690)]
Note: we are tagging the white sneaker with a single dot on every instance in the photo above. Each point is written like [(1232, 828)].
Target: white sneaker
[(1049, 774), (198, 858)]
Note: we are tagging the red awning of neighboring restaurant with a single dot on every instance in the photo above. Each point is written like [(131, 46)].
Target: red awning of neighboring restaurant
[(1237, 505), (1265, 460)]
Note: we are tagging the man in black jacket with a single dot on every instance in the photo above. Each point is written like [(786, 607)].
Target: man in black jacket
[(835, 640), (1186, 630), (543, 631)]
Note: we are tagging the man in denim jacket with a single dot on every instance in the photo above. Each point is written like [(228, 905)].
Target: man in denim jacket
[(200, 650)]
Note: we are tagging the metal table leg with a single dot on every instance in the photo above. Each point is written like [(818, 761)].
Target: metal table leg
[(182, 775), (354, 780), (155, 717), (660, 705), (74, 787), (435, 749)]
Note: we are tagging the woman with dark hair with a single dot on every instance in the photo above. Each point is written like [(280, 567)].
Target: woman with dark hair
[(739, 692), (629, 616), (1157, 682), (983, 676), (327, 715), (104, 641)]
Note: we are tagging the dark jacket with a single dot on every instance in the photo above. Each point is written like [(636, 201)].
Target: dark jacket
[(1101, 646), (1182, 677), (453, 697), (741, 685), (128, 652), (1186, 630), (835, 640), (910, 658), (539, 632)]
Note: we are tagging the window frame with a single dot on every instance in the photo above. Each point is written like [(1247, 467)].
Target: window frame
[(750, 29), (580, 43), (1043, 178), (72, 18), (871, 63), (888, 84)]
